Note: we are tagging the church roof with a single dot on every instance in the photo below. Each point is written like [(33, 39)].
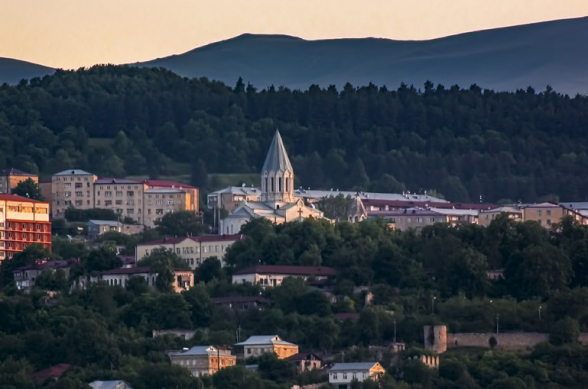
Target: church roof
[(277, 157), (357, 208)]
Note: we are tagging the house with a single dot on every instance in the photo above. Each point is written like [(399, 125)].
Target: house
[(305, 361), (272, 275), (184, 279), (257, 345), (55, 372), (544, 213), (118, 384), (25, 276), (277, 201), (184, 334), (193, 249), (11, 177), (242, 302), (99, 227), (341, 374), (202, 360), (22, 222)]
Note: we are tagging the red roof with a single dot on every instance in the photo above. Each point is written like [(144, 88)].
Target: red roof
[(167, 184), (52, 372), (14, 172), (134, 270), (49, 265), (303, 357), (12, 197), (203, 238), (289, 270)]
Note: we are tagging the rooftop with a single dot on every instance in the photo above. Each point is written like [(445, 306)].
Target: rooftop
[(289, 270), (264, 339), (200, 350), (105, 222), (203, 238), (354, 366), (405, 212), (73, 172), (244, 190), (302, 357), (319, 194), (277, 157), (40, 265), (12, 197), (167, 184), (118, 384), (15, 172), (54, 371), (106, 180)]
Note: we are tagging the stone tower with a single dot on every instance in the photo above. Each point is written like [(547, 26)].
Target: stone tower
[(436, 338), (357, 211), (277, 175)]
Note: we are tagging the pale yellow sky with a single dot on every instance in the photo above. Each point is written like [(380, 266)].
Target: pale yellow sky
[(74, 33)]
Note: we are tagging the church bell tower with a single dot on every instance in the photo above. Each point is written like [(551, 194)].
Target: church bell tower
[(277, 175)]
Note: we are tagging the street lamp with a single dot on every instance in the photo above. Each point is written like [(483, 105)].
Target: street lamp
[(433, 305), (540, 312)]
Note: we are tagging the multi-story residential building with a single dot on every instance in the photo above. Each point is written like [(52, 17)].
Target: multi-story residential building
[(257, 345), (184, 279), (230, 198), (9, 179), (22, 222), (202, 360), (71, 188), (544, 213), (124, 197), (193, 249), (160, 201), (342, 374), (25, 276), (487, 215), (272, 275), (191, 199)]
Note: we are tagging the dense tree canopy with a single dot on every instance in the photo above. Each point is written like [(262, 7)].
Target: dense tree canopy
[(463, 142)]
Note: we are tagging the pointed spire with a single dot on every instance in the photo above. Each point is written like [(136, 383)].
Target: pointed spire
[(277, 157)]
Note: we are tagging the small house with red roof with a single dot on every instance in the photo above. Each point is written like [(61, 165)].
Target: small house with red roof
[(55, 372)]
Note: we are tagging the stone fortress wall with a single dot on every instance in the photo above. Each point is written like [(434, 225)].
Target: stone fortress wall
[(437, 339)]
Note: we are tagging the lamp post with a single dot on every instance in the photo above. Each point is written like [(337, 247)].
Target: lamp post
[(539, 312), (433, 305)]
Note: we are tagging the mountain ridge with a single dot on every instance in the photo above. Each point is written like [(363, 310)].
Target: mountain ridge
[(504, 59)]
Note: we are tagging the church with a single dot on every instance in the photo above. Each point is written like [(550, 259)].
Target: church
[(277, 202)]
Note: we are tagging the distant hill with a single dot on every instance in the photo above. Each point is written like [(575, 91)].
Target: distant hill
[(12, 70), (509, 58)]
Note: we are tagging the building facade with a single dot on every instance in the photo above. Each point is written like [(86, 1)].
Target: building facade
[(124, 197), (305, 361), (230, 198), (545, 214), (184, 279), (161, 201), (25, 276), (202, 360), (22, 222), (99, 227), (10, 178), (273, 275), (258, 345), (193, 249), (342, 374), (71, 188)]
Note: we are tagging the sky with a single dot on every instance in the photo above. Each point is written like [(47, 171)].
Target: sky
[(74, 33)]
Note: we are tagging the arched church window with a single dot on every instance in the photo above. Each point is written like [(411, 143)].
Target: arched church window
[(287, 186), (273, 186), (265, 188), (280, 184)]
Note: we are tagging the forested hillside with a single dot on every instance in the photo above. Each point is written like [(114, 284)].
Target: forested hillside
[(463, 142)]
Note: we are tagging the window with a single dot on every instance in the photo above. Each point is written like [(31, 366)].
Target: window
[(159, 211), (108, 193), (548, 213), (67, 194), (130, 193), (178, 250), (79, 203), (119, 193), (548, 222), (158, 202), (98, 194), (539, 212), (118, 202), (279, 184), (79, 185), (130, 211), (79, 194), (97, 202), (130, 202), (107, 203), (67, 185), (344, 376), (273, 186)]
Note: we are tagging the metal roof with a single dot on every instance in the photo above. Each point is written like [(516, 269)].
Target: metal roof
[(105, 222), (277, 157), (289, 270), (264, 339), (199, 350), (355, 366), (118, 384), (73, 172)]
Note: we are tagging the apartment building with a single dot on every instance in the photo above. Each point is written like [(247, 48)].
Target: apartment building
[(9, 179), (193, 249), (160, 201), (202, 360), (410, 218), (486, 216), (544, 213), (192, 194), (230, 197), (124, 197), (71, 188), (22, 222)]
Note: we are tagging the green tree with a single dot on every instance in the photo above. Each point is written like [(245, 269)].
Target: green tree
[(32, 253), (180, 223), (199, 174), (564, 331), (101, 259), (210, 269), (163, 262), (28, 188)]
